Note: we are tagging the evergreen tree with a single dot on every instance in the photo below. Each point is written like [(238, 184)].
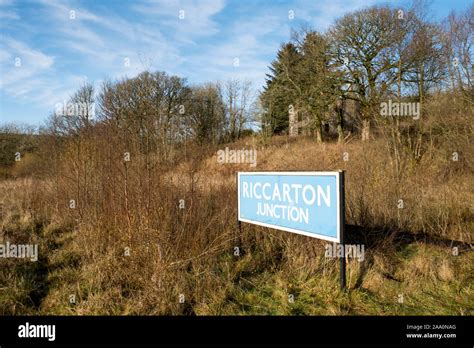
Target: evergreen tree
[(279, 93)]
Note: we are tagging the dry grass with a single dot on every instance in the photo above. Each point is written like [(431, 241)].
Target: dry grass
[(189, 252)]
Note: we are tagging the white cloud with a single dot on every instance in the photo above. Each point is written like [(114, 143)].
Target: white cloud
[(89, 41), (251, 40), (32, 57), (196, 16), (32, 62), (32, 78), (321, 14), (106, 40), (35, 80), (5, 14)]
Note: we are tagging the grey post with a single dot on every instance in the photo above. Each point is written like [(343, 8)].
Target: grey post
[(342, 221)]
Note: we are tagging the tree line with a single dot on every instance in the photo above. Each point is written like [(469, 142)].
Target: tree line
[(159, 111), (366, 57)]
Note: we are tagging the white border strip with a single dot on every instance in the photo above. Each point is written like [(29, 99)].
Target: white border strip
[(314, 235)]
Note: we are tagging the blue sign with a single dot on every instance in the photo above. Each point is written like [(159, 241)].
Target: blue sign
[(307, 203)]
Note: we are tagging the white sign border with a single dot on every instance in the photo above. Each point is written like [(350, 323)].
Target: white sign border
[(337, 174)]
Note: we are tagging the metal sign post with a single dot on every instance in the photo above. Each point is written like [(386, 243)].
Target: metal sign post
[(239, 223), (342, 216)]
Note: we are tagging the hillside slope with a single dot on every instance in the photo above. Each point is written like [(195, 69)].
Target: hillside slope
[(418, 259)]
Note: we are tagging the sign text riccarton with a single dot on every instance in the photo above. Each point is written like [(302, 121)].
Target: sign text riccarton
[(302, 202)]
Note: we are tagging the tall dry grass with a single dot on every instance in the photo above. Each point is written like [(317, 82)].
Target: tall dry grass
[(157, 235)]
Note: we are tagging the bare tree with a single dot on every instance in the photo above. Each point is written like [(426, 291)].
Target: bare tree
[(362, 42), (458, 43), (205, 114), (237, 97)]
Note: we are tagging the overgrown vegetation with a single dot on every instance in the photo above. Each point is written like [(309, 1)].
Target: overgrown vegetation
[(133, 214)]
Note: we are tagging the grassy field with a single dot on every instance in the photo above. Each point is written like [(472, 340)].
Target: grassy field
[(137, 252)]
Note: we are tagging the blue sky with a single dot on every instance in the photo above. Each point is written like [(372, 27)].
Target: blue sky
[(59, 49)]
